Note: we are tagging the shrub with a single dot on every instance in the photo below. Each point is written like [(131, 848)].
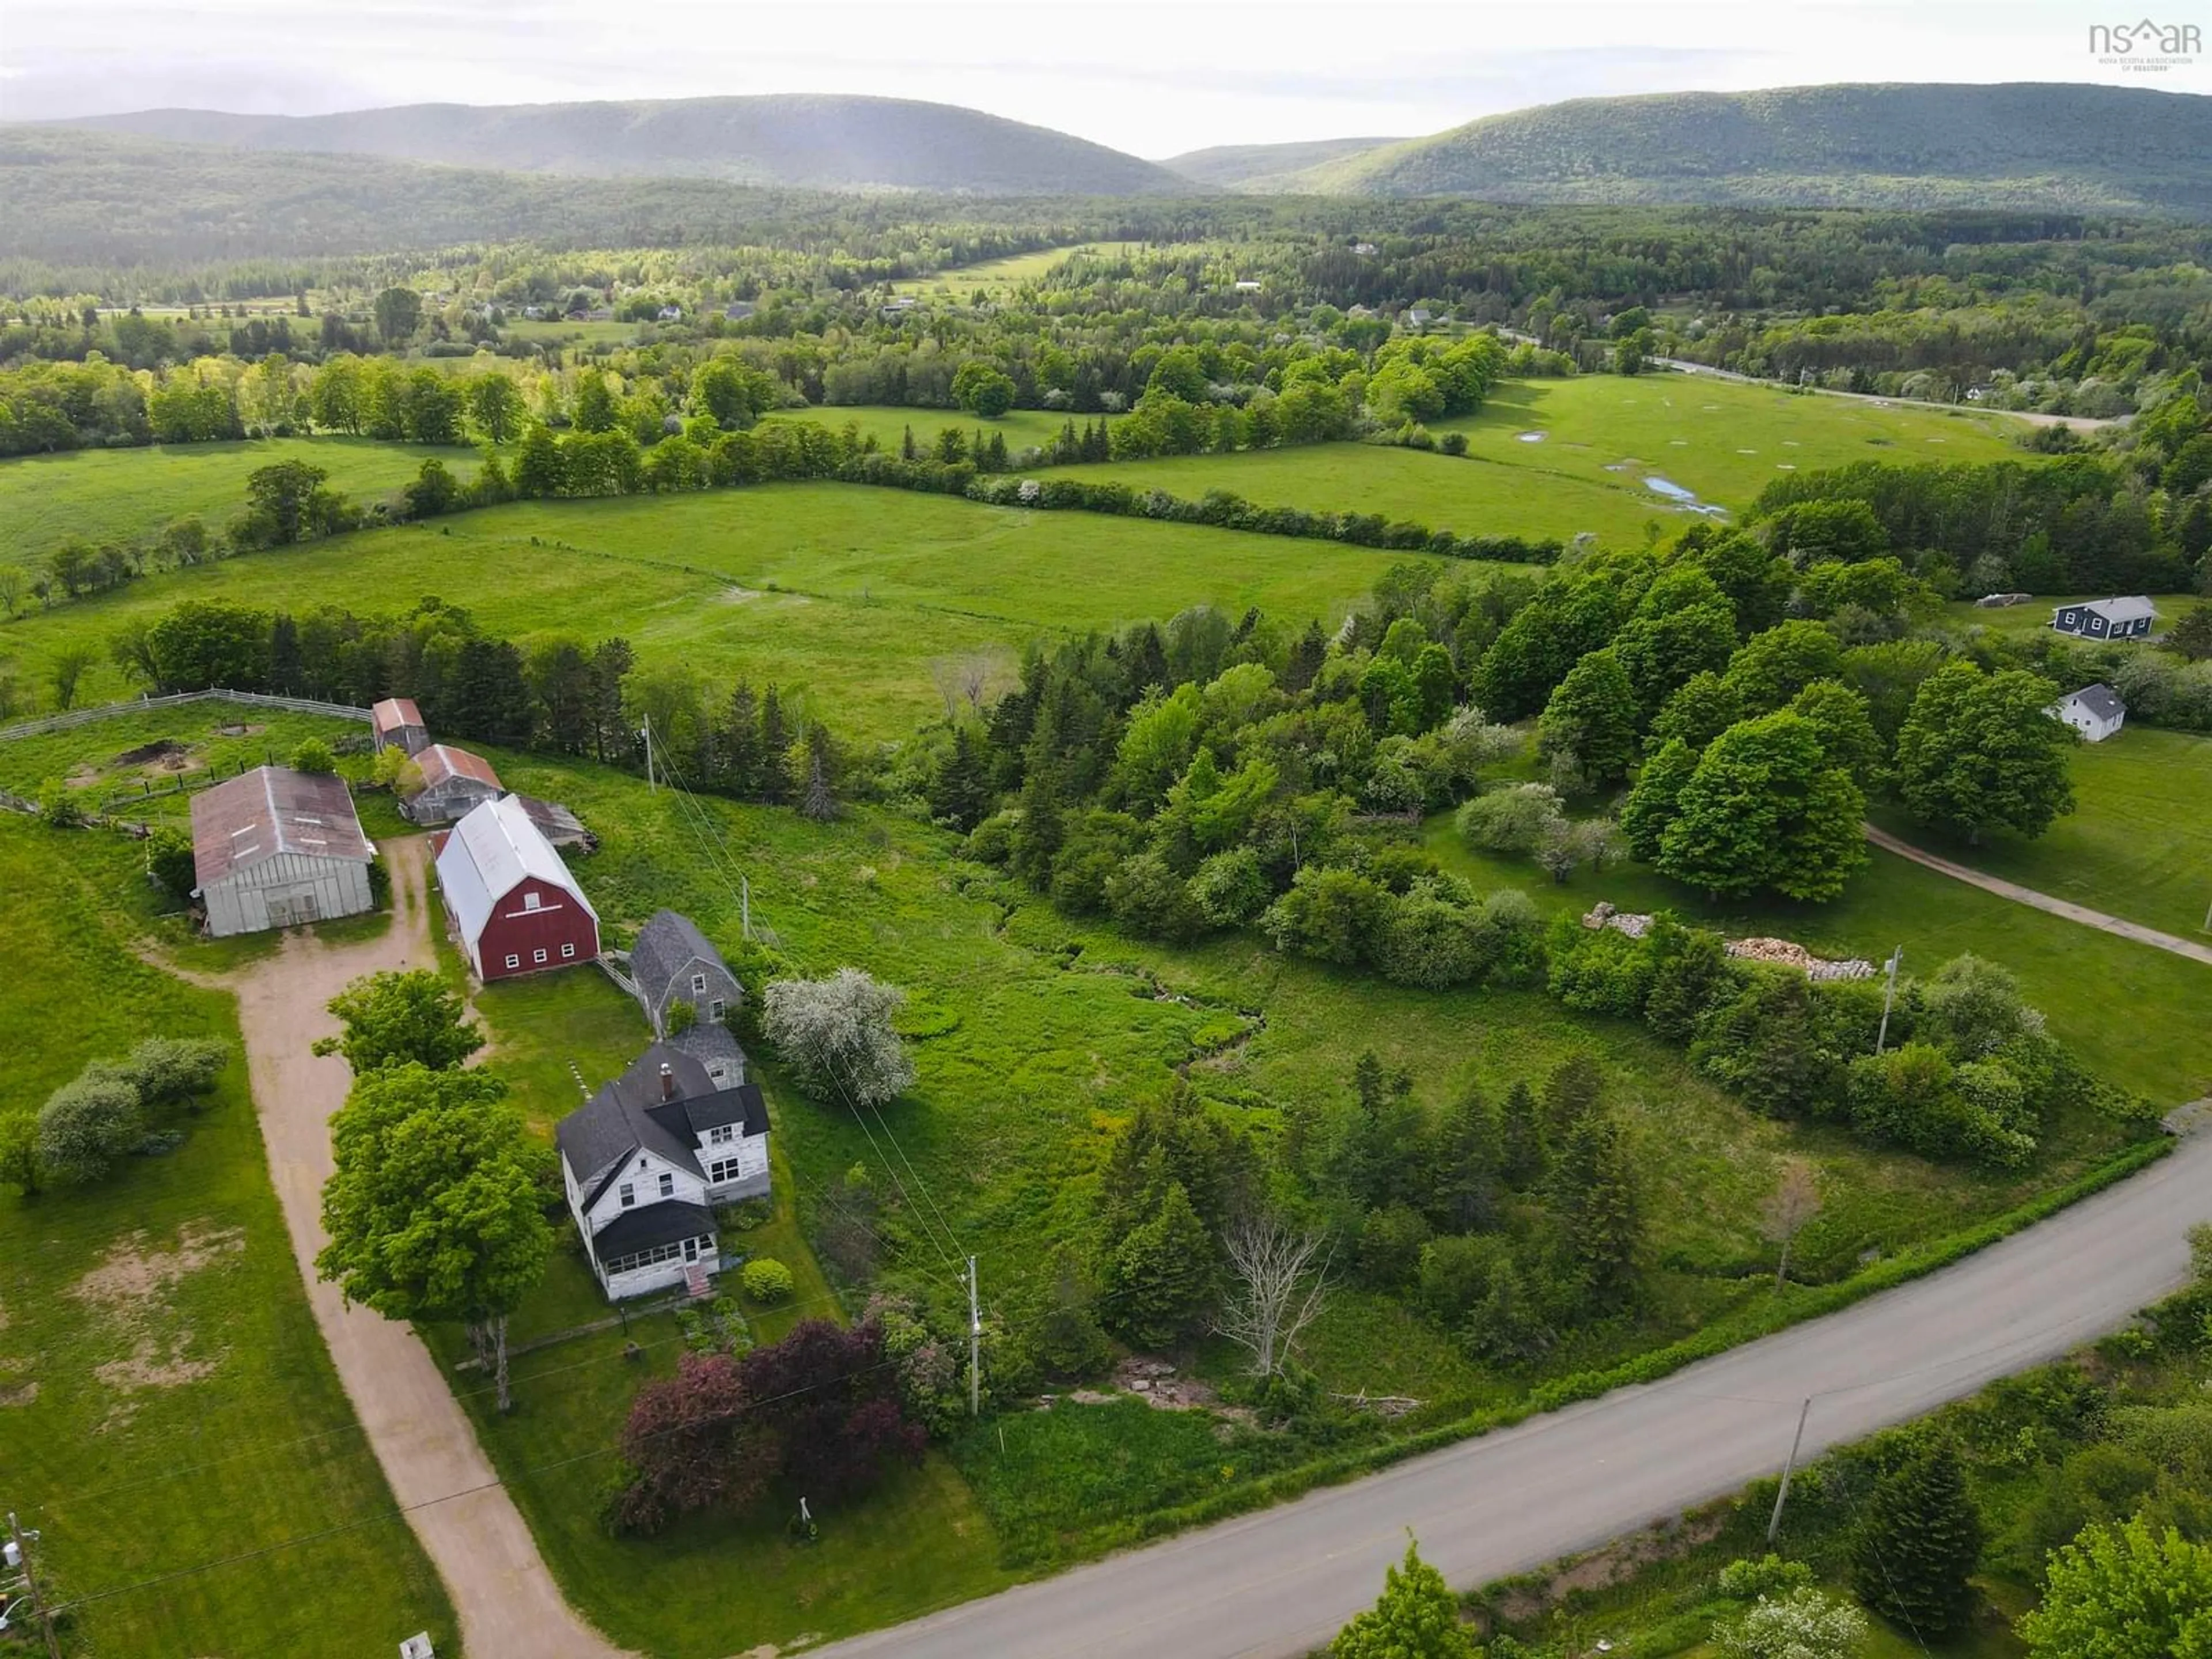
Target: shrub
[(313, 756), (1803, 1625), (86, 1125), (767, 1280)]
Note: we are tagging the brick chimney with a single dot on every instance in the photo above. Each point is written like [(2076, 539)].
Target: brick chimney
[(667, 1081)]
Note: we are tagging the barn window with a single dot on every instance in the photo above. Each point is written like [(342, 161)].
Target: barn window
[(532, 901), (699, 984), (715, 1009), (667, 1185), (538, 958), (568, 950), (514, 961), (628, 1192)]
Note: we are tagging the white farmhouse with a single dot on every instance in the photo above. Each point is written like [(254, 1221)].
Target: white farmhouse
[(273, 848), (648, 1157), (2095, 711)]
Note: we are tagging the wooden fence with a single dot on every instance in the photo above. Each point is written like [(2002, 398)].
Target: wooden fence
[(110, 710)]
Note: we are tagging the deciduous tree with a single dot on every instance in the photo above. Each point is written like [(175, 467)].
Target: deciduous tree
[(399, 1020), (1416, 1617), (837, 1036), (2124, 1591), (1978, 751)]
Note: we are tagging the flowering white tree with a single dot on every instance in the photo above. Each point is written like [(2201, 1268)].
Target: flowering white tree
[(1803, 1625), (835, 1035)]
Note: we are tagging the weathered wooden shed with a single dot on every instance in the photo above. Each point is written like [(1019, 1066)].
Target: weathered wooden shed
[(398, 723), (273, 848), (454, 783)]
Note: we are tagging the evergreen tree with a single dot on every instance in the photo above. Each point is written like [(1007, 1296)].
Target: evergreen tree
[(1569, 1094), (775, 751), (739, 743), (1521, 1139), (1919, 1537), (959, 791), (1308, 652), (907, 450), (1593, 1198), (1469, 1152), (1416, 1618), (1160, 1276), (819, 802), (611, 661), (287, 668)]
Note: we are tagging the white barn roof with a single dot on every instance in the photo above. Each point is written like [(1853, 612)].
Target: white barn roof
[(491, 852)]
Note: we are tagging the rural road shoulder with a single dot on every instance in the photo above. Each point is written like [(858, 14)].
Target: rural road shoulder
[(507, 1600), (2058, 907), (1280, 1582)]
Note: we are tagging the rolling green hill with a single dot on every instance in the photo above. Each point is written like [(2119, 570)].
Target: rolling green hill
[(815, 143), (2021, 145), (1261, 167)]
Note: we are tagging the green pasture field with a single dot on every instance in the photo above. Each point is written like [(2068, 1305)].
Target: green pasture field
[(842, 592), (2032, 616), (2133, 1012), (889, 424), (962, 282), (555, 330), (175, 1418), (1603, 435), (2138, 844), (122, 494)]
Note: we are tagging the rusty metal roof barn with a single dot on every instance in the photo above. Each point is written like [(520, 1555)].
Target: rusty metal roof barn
[(273, 810)]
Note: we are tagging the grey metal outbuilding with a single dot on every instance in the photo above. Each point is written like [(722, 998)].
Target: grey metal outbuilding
[(273, 848)]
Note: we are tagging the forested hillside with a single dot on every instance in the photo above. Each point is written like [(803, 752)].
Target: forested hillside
[(818, 142), (1262, 167), (1920, 146)]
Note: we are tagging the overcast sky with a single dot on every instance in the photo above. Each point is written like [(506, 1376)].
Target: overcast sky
[(1152, 76)]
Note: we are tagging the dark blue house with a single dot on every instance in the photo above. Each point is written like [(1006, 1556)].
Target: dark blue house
[(2106, 619)]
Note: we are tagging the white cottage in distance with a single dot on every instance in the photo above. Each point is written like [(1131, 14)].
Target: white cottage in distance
[(273, 848), (2095, 711), (646, 1160)]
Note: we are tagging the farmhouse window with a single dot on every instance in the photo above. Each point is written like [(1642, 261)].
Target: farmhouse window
[(725, 1168), (514, 961), (538, 958), (646, 1258), (721, 1134), (628, 1192), (667, 1185)]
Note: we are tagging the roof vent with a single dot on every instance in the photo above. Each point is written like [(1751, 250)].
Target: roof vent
[(667, 1081)]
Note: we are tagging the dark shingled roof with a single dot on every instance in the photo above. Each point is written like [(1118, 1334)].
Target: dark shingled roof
[(2101, 701), (707, 1043), (634, 1114), (664, 945), (665, 1221)]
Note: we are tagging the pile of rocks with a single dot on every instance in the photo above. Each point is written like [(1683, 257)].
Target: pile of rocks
[(1783, 953), (1621, 921)]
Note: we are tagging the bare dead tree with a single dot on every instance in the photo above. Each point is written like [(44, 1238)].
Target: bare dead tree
[(1785, 1212), (1279, 1288)]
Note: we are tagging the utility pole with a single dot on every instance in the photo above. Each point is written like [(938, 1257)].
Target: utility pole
[(975, 1346), (645, 732), (1888, 995), (744, 905), (1774, 1525), (19, 1546)]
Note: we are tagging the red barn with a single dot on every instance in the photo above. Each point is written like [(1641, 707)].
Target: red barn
[(517, 908)]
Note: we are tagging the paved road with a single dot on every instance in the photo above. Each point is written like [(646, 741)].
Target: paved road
[(507, 1601), (1280, 1584), (2056, 907)]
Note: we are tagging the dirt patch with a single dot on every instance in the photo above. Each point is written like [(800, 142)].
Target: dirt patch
[(1662, 1540), (1156, 1382), (150, 1366), (736, 595), (23, 1394), (131, 1279), (162, 751), (240, 731)]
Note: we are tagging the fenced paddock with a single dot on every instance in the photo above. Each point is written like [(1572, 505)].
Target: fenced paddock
[(76, 717)]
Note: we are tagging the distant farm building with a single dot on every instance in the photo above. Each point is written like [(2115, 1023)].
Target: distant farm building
[(557, 823), (739, 310), (2095, 711), (2106, 619), (274, 847), (454, 784), (515, 905), (399, 725)]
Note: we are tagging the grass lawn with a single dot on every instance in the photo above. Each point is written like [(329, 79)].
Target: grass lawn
[(843, 594), (166, 1401), (889, 424), (121, 494), (963, 282), (2138, 844), (1602, 436)]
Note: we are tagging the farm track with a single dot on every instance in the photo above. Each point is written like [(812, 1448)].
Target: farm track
[(505, 1598), (2116, 926)]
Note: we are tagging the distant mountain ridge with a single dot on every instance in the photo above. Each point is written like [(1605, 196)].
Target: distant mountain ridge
[(2019, 144), (787, 141), (1260, 166)]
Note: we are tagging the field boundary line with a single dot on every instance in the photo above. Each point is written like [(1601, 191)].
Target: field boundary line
[(2058, 907), (76, 717)]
